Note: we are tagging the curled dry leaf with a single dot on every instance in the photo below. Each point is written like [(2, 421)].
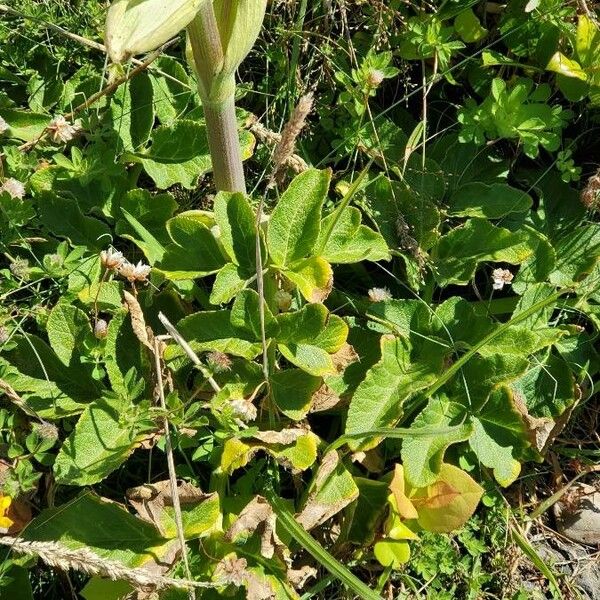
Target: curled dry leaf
[(138, 323), (285, 436), (333, 489), (324, 399), (345, 356)]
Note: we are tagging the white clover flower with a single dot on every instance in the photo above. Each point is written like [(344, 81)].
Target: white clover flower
[(375, 77), (379, 294), (133, 272), (501, 277), (111, 259), (3, 126), (61, 131), (243, 409), (101, 329), (14, 188)]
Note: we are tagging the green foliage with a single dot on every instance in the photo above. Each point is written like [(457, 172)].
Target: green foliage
[(409, 322)]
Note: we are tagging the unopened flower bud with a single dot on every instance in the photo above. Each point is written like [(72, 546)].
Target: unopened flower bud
[(219, 362), (101, 329), (283, 300), (134, 26)]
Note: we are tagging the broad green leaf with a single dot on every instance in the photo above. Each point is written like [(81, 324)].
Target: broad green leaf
[(450, 515), (292, 391), (392, 553), (295, 449), (50, 388), (488, 201), (370, 506), (378, 400), (98, 588), (423, 457), (548, 387), (245, 315), (24, 125), (65, 220), (237, 224), (349, 241), (172, 93), (230, 280), (576, 254), (101, 526), (460, 251), (144, 240), (295, 223), (332, 489), (313, 276), (106, 295), (132, 111), (449, 320), (199, 519), (194, 251), (103, 438), (567, 67), (213, 330), (468, 26), (68, 331), (500, 435), (150, 211), (586, 40)]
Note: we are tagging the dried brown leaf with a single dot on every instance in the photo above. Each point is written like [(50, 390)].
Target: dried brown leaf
[(138, 323), (324, 399), (345, 356)]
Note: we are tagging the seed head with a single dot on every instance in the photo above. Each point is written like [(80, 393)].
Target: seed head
[(219, 362), (20, 268), (231, 571), (46, 430), (14, 188), (101, 329), (375, 78), (133, 272), (111, 259)]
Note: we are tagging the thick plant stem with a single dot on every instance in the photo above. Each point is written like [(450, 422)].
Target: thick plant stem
[(224, 145), (217, 92)]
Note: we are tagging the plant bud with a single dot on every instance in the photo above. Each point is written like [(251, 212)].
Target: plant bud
[(239, 23), (138, 26)]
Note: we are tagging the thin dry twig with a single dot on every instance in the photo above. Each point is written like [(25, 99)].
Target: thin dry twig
[(88, 562), (171, 462), (188, 350)]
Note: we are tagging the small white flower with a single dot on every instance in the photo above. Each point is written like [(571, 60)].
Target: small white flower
[(14, 188), (133, 272), (501, 277), (379, 294), (375, 78), (3, 126), (243, 409), (111, 259), (61, 131)]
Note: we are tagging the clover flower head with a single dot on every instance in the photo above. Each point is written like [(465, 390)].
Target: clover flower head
[(111, 259), (61, 131), (379, 294), (14, 188), (243, 409), (133, 272), (500, 278)]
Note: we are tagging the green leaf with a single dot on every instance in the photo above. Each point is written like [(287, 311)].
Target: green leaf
[(172, 93), (105, 589), (132, 111), (24, 125), (378, 400), (213, 330), (447, 516), (295, 223), (488, 201), (423, 457), (245, 315), (372, 501), (292, 391), (148, 244), (68, 331), (468, 26), (313, 276), (576, 254), (392, 553), (101, 526), (49, 387), (230, 280), (106, 295), (64, 219), (460, 251), (548, 387), (562, 65), (500, 435), (237, 225), (194, 251), (349, 241), (100, 443)]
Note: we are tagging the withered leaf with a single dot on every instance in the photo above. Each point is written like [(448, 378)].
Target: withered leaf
[(138, 323)]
